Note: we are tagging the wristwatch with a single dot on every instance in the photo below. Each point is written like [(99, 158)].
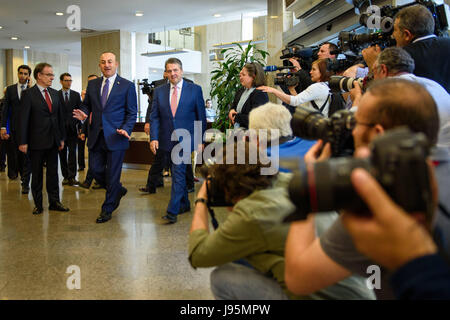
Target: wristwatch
[(203, 200)]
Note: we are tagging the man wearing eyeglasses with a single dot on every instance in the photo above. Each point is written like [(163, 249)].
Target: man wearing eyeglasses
[(71, 100), (41, 134)]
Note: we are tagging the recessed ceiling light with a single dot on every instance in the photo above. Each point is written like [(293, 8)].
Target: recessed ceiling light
[(1, 27), (14, 38), (217, 15), (273, 17), (139, 14), (26, 47), (60, 13)]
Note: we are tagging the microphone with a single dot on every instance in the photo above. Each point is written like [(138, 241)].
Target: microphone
[(275, 68)]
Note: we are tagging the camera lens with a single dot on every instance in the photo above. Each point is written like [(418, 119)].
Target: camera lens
[(310, 125)]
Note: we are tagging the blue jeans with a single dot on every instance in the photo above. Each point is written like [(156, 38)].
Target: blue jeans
[(233, 281)]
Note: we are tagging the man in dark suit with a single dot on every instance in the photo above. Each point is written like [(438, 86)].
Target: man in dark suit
[(113, 103), (162, 158), (176, 105), (71, 100), (42, 134), (17, 161), (413, 31)]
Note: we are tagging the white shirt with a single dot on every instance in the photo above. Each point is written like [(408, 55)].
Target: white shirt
[(442, 100), (179, 86), (41, 89), (318, 92), (424, 37), (19, 89), (111, 81)]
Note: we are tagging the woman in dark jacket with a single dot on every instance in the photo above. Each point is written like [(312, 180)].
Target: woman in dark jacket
[(247, 98)]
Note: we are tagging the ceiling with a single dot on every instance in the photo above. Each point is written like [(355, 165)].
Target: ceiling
[(35, 23)]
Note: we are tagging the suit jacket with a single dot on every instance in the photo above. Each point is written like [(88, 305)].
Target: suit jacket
[(74, 103), (257, 98), (431, 57), (191, 108), (11, 109), (119, 113), (38, 127)]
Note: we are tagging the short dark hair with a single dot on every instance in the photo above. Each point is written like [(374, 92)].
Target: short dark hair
[(65, 74), (256, 71), (402, 102), (396, 60), (24, 66), (173, 61), (417, 19), (324, 73), (331, 46), (39, 67), (92, 75)]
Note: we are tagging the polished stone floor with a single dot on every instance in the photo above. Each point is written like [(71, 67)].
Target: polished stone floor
[(133, 256)]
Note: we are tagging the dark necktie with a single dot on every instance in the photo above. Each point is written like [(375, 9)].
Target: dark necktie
[(66, 100), (22, 87), (105, 93), (47, 99)]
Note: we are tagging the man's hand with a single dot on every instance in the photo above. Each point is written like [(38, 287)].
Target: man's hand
[(231, 115), (316, 153), (296, 64), (370, 54), (80, 115), (61, 146), (23, 148), (355, 95), (29, 82), (154, 145), (123, 133), (4, 135), (390, 236), (147, 128)]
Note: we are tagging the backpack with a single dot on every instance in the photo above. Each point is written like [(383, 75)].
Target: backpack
[(336, 103)]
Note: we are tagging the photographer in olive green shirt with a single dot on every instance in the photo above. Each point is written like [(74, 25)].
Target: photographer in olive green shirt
[(253, 234)]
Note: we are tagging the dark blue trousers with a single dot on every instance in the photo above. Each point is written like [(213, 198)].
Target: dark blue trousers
[(106, 166), (178, 195)]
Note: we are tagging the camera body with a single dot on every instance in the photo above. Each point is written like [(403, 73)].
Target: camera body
[(397, 161), (337, 130), (147, 88), (353, 42), (288, 79)]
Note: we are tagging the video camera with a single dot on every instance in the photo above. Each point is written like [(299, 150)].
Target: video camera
[(147, 88), (353, 42), (398, 162), (337, 130)]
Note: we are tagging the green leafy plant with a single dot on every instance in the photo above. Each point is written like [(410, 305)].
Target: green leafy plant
[(225, 78)]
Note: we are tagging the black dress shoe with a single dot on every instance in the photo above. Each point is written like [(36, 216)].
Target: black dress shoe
[(73, 182), (184, 210), (103, 217), (150, 190), (170, 218), (65, 182), (37, 210), (97, 186), (58, 206), (25, 190), (85, 185)]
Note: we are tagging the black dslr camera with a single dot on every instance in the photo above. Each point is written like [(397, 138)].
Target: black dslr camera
[(147, 88), (398, 162), (337, 130)]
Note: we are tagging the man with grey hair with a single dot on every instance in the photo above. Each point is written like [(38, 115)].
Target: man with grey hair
[(413, 30), (276, 120), (396, 62)]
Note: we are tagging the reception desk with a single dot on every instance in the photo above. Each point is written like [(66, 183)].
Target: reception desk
[(139, 152)]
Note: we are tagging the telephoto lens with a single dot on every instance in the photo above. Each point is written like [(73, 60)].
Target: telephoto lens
[(344, 84)]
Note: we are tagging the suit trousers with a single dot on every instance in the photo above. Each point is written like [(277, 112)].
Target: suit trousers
[(106, 167), (80, 145), (12, 154), (18, 162), (69, 164), (50, 157), (2, 154), (178, 196)]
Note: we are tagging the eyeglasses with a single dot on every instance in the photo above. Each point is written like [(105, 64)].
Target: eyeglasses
[(68, 80), (48, 74), (352, 123)]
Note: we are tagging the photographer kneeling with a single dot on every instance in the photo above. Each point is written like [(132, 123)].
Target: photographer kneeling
[(252, 232), (316, 96)]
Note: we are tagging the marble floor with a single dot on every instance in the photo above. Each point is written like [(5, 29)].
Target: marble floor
[(133, 256)]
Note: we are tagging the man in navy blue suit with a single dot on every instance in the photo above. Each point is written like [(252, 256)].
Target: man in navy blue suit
[(112, 101), (176, 105)]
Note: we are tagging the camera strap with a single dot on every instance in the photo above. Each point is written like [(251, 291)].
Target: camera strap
[(323, 106)]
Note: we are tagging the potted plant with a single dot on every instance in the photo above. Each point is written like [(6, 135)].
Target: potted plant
[(225, 78)]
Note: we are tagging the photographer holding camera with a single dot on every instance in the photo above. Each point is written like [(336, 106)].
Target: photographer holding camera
[(252, 233), (314, 263), (413, 30), (316, 96)]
